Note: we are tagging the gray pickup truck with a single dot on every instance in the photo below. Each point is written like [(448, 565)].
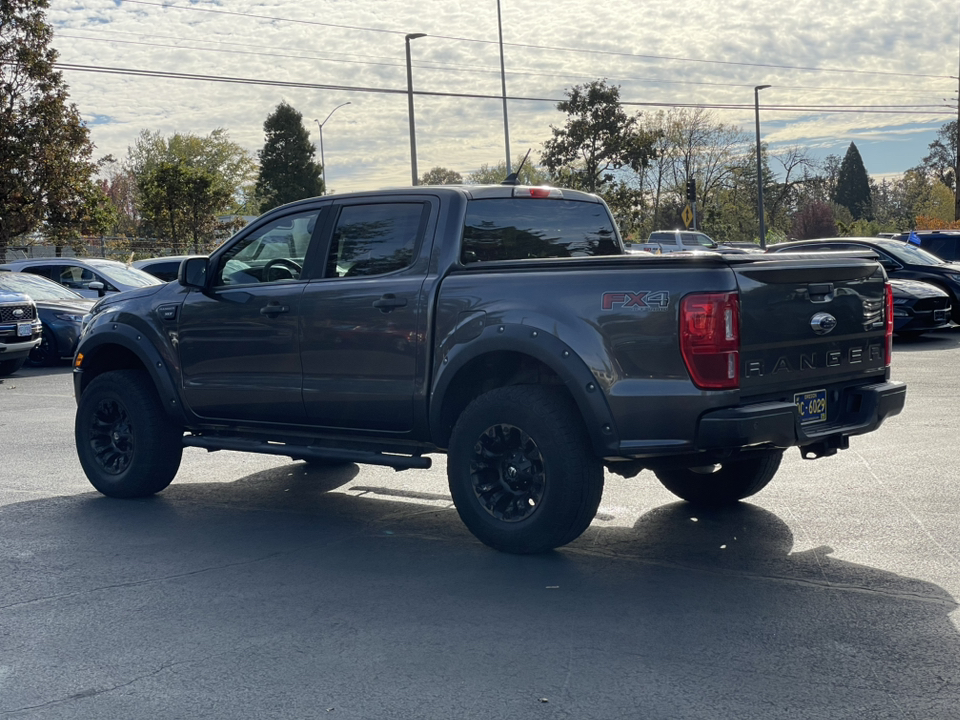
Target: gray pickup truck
[(505, 326)]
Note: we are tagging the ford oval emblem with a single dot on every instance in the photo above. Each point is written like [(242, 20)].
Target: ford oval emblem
[(18, 313), (822, 323)]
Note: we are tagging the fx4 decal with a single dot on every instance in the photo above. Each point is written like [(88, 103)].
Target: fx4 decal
[(657, 300)]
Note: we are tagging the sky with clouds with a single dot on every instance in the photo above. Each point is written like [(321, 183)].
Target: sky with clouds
[(880, 73)]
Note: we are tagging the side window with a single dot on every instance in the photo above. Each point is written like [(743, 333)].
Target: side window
[(664, 238), (374, 239), (47, 271), (76, 277), (273, 253)]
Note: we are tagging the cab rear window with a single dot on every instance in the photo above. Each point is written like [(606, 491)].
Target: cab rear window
[(522, 228)]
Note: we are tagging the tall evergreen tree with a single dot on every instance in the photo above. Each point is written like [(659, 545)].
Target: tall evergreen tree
[(46, 165), (853, 185), (288, 170)]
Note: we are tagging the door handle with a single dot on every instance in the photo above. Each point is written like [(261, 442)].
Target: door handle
[(273, 309), (388, 302)]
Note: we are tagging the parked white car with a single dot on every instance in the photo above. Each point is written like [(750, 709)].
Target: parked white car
[(90, 277)]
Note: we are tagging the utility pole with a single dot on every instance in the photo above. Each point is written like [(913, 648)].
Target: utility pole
[(956, 168), (413, 127), (756, 106), (503, 87)]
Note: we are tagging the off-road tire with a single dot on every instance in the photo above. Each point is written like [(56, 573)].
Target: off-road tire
[(128, 447), (731, 482), (522, 472)]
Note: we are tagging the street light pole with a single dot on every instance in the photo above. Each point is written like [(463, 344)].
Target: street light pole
[(323, 163), (756, 106), (503, 86), (413, 131)]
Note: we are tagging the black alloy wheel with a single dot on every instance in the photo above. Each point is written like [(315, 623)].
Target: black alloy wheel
[(507, 473), (111, 437), (46, 353)]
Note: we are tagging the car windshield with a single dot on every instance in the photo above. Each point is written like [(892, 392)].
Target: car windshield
[(36, 287), (127, 275), (911, 254)]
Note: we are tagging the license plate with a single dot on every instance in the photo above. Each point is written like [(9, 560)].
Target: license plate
[(939, 315), (24, 329), (812, 406)]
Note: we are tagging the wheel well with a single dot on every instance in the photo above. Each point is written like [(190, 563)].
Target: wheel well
[(107, 358), (485, 373)]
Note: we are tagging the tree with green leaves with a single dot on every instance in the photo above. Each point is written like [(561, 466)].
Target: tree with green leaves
[(184, 182), (853, 185), (46, 156), (943, 160), (530, 173), (441, 176), (288, 170), (598, 138)]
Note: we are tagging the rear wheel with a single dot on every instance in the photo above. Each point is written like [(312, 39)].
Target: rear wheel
[(721, 484), (521, 469), (127, 445), (46, 353)]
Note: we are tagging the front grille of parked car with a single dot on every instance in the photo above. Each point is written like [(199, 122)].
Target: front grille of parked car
[(934, 303), (7, 313)]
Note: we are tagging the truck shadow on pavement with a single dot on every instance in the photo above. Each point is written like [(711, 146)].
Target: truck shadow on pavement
[(947, 339), (287, 594)]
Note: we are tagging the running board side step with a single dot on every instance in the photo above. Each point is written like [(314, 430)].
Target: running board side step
[(305, 452)]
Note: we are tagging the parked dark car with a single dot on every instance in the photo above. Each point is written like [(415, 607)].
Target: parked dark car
[(164, 268), (901, 260), (60, 309), (918, 307), (942, 243)]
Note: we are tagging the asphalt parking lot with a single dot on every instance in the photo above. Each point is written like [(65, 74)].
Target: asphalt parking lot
[(258, 587)]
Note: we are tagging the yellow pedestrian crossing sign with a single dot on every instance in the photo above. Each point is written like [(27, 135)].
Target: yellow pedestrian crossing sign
[(687, 216)]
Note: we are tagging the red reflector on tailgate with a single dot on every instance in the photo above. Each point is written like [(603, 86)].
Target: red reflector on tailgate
[(710, 339)]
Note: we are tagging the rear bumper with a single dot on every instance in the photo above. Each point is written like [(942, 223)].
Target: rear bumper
[(777, 424)]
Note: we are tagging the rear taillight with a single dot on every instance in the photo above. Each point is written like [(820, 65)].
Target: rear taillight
[(710, 339), (888, 325)]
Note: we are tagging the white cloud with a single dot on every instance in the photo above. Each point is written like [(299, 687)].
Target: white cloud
[(367, 143)]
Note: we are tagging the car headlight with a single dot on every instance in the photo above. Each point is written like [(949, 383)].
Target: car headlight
[(68, 317), (954, 276)]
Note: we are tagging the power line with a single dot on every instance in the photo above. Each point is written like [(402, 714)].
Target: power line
[(528, 46), (872, 109), (454, 67)]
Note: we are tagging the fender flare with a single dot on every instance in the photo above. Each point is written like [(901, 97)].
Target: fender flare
[(156, 366), (549, 350)]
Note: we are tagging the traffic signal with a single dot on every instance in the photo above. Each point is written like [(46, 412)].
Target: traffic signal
[(692, 190)]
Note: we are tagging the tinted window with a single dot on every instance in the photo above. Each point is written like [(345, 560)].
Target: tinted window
[(374, 239), (664, 238), (695, 239), (166, 270), (518, 228)]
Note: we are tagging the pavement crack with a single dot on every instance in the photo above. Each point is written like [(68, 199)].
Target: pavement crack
[(147, 581), (93, 692)]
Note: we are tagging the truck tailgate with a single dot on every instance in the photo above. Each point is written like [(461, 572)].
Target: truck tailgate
[(810, 321)]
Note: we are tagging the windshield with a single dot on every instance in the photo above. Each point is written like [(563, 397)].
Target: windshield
[(126, 275), (36, 287), (911, 254)]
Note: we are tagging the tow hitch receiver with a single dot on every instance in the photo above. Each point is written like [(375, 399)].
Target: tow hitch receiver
[(825, 448)]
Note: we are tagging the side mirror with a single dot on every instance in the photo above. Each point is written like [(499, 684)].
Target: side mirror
[(98, 286), (890, 265), (193, 273)]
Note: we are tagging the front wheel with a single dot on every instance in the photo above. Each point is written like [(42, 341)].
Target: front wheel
[(723, 484), (127, 445), (522, 471), (46, 353), (9, 367)]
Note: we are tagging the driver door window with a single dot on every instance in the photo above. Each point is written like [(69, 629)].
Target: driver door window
[(272, 254)]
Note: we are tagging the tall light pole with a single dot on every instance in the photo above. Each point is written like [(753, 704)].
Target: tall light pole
[(756, 106), (323, 164), (413, 131), (503, 86)]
